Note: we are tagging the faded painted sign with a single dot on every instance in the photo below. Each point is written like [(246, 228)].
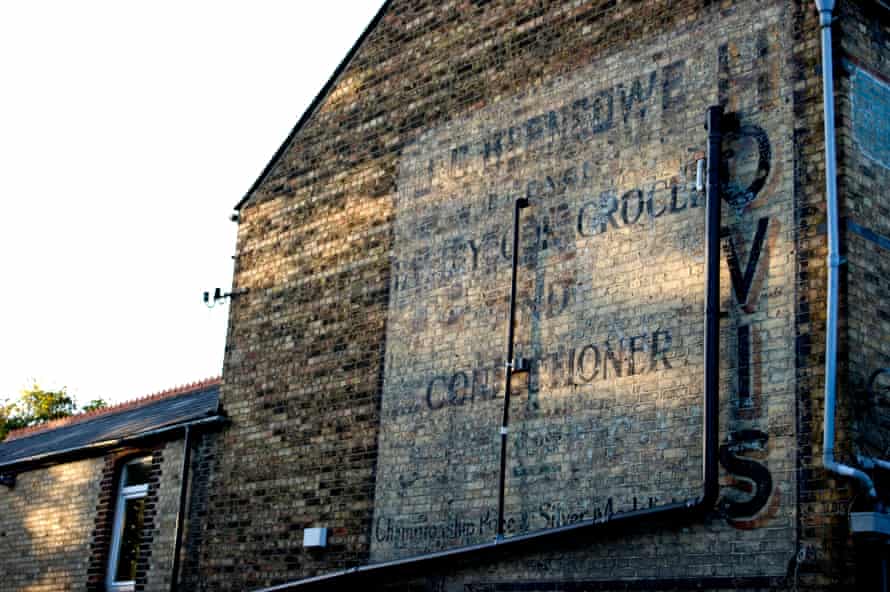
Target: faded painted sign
[(610, 305)]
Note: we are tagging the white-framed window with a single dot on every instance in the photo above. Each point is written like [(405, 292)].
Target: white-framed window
[(129, 514)]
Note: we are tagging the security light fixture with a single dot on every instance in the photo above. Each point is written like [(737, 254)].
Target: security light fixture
[(219, 296)]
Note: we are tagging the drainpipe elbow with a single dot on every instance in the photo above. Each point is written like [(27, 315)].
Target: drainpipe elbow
[(851, 472), (710, 495)]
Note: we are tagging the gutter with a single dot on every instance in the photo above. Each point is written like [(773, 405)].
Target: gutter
[(695, 507), (352, 575), (825, 8), (39, 459)]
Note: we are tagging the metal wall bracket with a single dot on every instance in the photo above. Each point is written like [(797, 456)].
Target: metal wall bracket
[(521, 365), (874, 523)]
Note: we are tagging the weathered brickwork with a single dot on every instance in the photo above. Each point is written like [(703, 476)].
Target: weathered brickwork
[(56, 523), (611, 299), (46, 525), (202, 462), (159, 538), (364, 364), (863, 132), (864, 184)]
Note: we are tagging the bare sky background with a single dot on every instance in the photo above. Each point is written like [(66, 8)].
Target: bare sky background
[(128, 131)]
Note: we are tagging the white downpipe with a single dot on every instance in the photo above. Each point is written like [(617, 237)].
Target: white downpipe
[(825, 8)]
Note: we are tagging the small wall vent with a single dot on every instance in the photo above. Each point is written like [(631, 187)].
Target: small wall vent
[(315, 538)]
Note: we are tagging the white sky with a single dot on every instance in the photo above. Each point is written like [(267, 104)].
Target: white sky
[(128, 131)]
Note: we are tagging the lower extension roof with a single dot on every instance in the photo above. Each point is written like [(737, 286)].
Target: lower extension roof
[(126, 421)]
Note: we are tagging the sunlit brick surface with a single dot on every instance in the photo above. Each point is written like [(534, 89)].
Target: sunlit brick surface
[(364, 367)]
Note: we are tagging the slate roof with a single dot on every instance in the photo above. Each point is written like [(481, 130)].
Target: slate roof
[(165, 409)]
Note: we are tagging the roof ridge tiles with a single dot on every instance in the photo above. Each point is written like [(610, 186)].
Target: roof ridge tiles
[(124, 406)]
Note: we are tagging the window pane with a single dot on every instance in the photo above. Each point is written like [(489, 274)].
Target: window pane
[(136, 473), (134, 510)]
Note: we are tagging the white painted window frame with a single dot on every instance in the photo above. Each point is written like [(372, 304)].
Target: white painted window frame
[(123, 494)]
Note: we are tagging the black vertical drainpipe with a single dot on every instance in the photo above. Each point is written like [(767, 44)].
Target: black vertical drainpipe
[(710, 435), (520, 204), (712, 303), (183, 498)]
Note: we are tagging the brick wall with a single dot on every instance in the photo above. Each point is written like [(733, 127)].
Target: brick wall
[(863, 92), (160, 536), (822, 557), (55, 524), (203, 459), (863, 132), (363, 367), (46, 524)]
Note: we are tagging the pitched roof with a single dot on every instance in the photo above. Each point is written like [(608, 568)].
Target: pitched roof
[(126, 420), (316, 103)]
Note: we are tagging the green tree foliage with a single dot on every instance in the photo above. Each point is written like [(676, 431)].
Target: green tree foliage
[(6, 422), (94, 405), (36, 405)]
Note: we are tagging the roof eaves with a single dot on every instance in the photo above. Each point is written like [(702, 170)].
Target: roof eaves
[(124, 406), (316, 102), (57, 455)]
